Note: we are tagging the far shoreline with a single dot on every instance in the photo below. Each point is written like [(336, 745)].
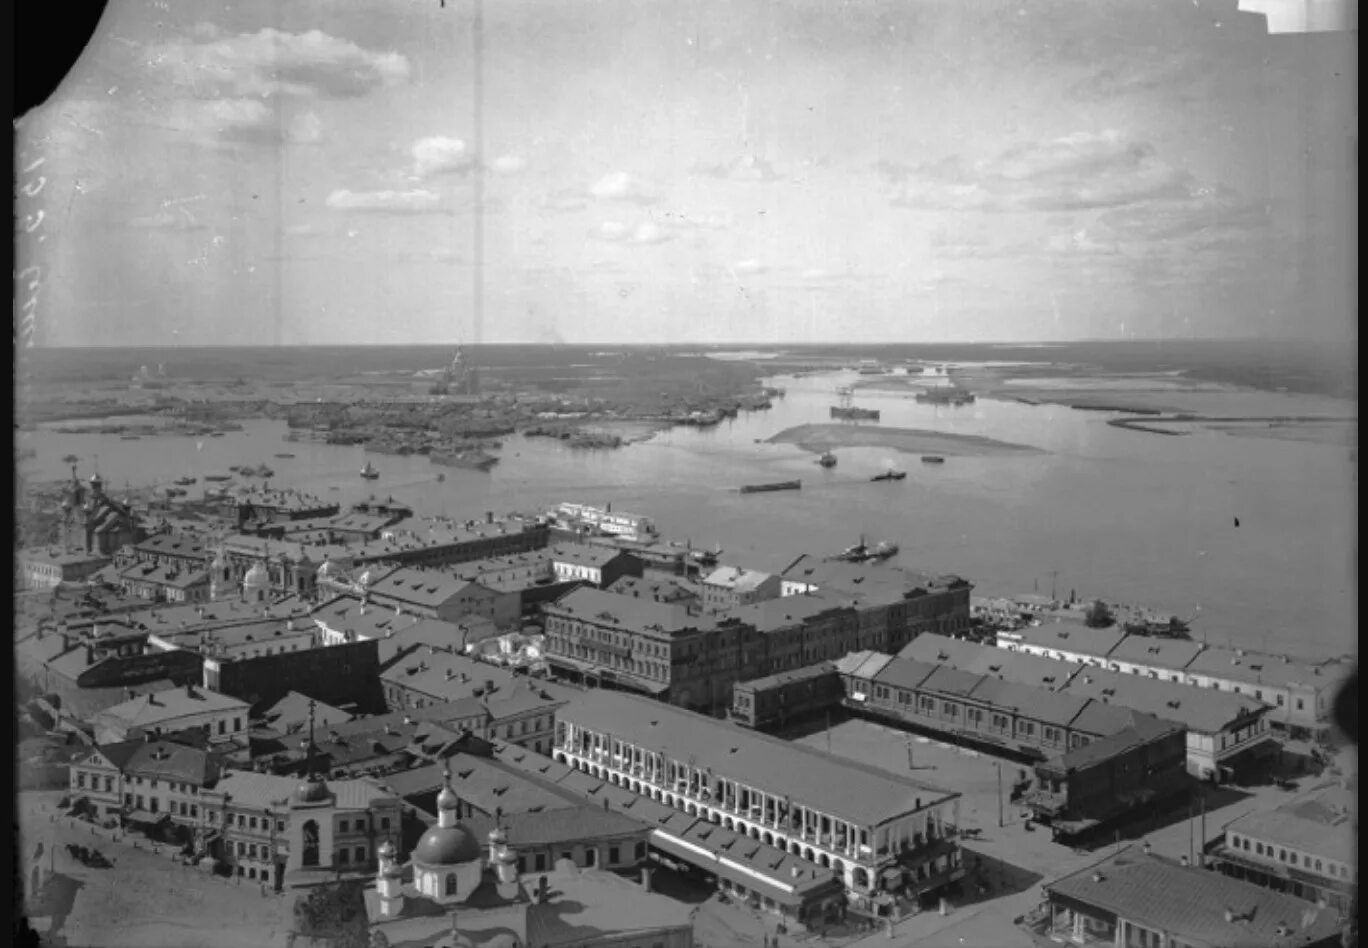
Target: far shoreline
[(818, 438)]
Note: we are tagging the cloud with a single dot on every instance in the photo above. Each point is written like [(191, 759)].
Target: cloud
[(682, 221), (509, 164), (564, 201), (305, 129), (439, 155), (1077, 172), (744, 168), (645, 233), (392, 202), (178, 219), (749, 267), (273, 62), (1211, 211), (621, 186)]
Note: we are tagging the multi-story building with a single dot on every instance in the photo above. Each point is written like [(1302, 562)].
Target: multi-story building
[(793, 632), (1138, 898), (895, 605), (589, 519), (1299, 692), (223, 718), (439, 596), (48, 568), (792, 696), (1065, 642), (596, 565), (275, 505), (147, 782), (1020, 667), (290, 834), (880, 832), (1082, 791), (446, 542), (657, 588), (1025, 721), (1227, 734), (1304, 847), (345, 674), (655, 648), (729, 587), (512, 708), (168, 583)]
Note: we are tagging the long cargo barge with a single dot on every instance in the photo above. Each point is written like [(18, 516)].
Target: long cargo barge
[(779, 485), (840, 411)]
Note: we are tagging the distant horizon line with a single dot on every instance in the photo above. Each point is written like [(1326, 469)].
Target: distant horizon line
[(1018, 343)]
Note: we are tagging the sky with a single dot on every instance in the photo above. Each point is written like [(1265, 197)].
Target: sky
[(311, 172)]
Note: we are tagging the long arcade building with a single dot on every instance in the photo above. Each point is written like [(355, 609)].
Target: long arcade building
[(879, 832)]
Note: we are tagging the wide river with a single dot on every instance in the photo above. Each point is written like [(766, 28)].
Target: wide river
[(1123, 515)]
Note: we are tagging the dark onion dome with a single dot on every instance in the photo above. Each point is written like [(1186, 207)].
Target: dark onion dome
[(447, 846), (313, 790)]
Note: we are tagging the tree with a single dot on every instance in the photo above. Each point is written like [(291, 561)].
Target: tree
[(335, 911), (1099, 615)]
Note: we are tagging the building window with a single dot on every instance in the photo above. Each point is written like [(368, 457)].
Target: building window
[(360, 853), (309, 855), (341, 826), (80, 780), (343, 855), (613, 854), (451, 883), (539, 861)]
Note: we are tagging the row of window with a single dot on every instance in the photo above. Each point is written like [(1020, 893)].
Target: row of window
[(1290, 857)]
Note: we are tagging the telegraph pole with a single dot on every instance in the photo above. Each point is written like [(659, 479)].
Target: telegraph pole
[(1001, 821)]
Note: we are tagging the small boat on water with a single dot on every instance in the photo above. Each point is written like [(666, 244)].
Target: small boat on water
[(216, 434), (217, 477), (369, 472), (264, 471), (889, 476), (441, 478), (130, 437), (827, 459), (185, 480), (778, 485), (236, 468), (932, 459), (285, 455)]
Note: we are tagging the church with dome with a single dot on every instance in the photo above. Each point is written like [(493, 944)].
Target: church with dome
[(460, 891), (93, 522)]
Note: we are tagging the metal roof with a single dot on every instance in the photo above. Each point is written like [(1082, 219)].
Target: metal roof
[(1191, 903), (866, 796)]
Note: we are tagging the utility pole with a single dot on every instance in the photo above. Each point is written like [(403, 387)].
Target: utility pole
[(1001, 820), (1191, 852), (1054, 574), (1202, 850)]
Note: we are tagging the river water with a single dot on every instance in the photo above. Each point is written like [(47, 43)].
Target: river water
[(1123, 515)]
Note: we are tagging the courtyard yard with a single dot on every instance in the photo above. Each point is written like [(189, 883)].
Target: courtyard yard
[(146, 899)]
